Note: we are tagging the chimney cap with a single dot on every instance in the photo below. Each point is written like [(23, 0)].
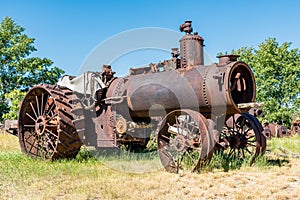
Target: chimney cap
[(223, 59), (186, 27)]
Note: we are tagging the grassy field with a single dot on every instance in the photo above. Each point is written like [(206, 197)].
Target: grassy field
[(274, 176)]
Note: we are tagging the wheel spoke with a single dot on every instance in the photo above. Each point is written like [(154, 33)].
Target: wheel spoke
[(50, 108), (243, 153), (33, 110), (253, 145), (31, 117), (45, 104), (179, 161), (51, 117), (164, 136), (233, 124), (30, 135), (39, 119), (186, 124), (183, 147), (250, 137), (248, 150), (50, 125), (50, 141), (42, 104), (177, 124), (192, 159), (244, 122), (37, 105), (242, 137), (51, 133), (28, 125), (249, 129), (32, 145)]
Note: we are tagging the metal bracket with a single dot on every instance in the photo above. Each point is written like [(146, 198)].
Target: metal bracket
[(219, 76), (114, 100), (250, 105)]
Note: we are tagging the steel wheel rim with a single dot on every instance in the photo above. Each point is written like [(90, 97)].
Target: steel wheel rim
[(243, 138), (181, 147), (39, 124)]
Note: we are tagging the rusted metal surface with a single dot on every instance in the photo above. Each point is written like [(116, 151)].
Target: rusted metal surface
[(191, 47), (225, 59), (295, 127), (275, 130), (184, 141), (46, 123), (199, 88), (104, 128), (190, 85), (189, 100), (10, 126), (166, 65), (256, 111), (242, 137)]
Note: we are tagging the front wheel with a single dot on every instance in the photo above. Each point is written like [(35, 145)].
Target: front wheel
[(184, 141), (243, 137)]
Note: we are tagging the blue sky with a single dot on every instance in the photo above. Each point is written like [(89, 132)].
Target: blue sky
[(67, 31)]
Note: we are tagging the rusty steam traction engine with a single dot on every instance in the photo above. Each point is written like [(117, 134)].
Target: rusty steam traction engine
[(194, 108)]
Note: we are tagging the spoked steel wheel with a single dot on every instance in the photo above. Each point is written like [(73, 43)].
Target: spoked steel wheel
[(242, 136), (184, 142), (46, 123)]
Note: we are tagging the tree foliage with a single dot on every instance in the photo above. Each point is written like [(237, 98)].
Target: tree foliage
[(14, 98), (277, 72), (18, 71)]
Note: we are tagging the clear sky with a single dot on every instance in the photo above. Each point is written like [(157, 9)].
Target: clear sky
[(67, 31)]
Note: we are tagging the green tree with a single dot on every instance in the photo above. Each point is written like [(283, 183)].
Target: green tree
[(277, 72), (14, 98), (18, 71)]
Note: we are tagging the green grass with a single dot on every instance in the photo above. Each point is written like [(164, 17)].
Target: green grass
[(137, 162), (279, 151), (287, 145), (90, 177), (225, 163), (21, 177)]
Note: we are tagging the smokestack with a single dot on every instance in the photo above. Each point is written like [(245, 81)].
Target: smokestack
[(191, 47), (224, 59)]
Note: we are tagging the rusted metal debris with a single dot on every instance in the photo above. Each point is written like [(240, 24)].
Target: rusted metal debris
[(274, 130), (295, 128), (10, 126), (194, 108)]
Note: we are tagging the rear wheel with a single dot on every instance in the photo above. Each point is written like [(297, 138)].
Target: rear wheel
[(47, 120)]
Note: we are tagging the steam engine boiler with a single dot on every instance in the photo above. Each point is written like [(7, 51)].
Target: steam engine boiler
[(193, 109)]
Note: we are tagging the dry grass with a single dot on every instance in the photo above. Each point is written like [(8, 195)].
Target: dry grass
[(24, 178), (8, 142)]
